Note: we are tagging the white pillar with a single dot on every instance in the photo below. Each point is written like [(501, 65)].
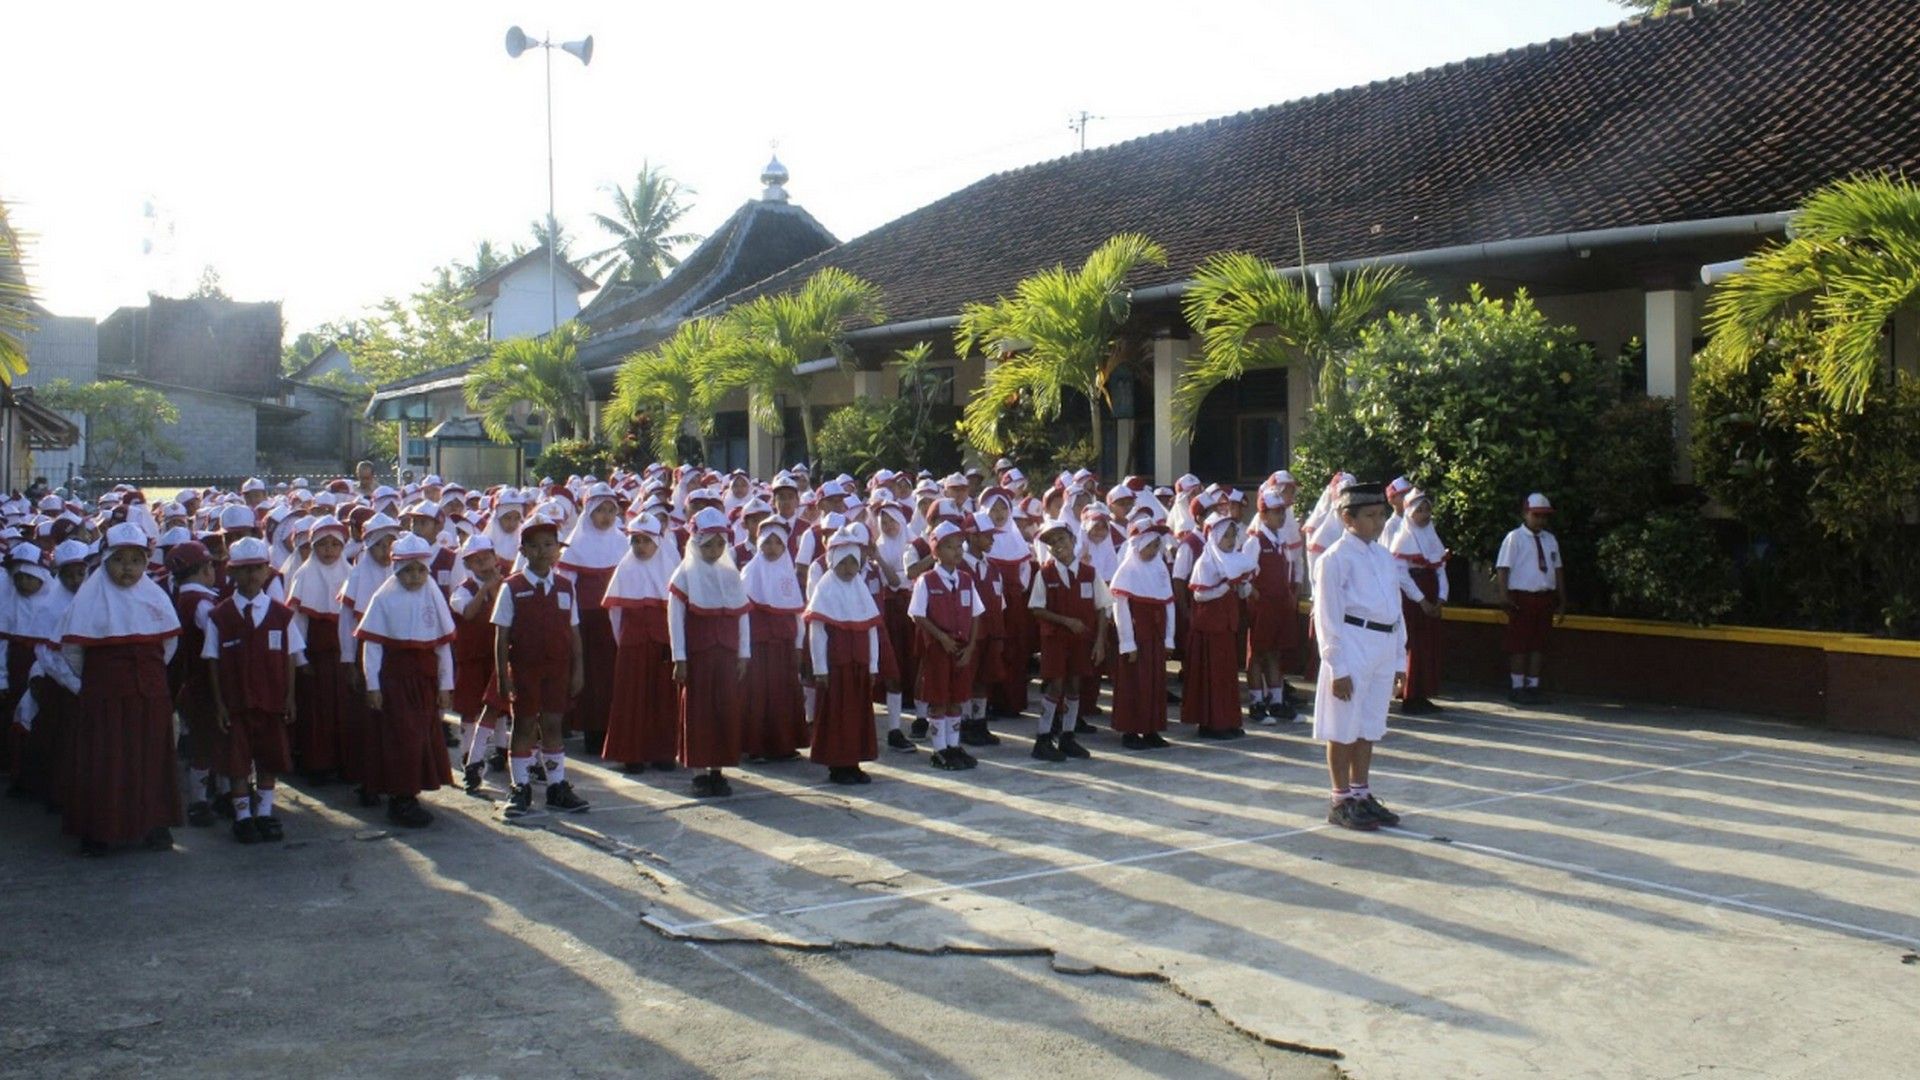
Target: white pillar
[(1170, 455), (1670, 328), (866, 384), (759, 450), (1300, 391)]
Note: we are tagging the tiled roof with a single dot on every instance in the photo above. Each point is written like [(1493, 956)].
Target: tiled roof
[(760, 239), (1726, 109)]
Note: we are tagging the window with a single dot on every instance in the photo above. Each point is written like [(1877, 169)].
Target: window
[(1260, 445)]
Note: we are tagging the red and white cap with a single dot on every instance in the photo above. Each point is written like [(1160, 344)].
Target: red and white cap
[(249, 551), (1537, 501), (411, 547)]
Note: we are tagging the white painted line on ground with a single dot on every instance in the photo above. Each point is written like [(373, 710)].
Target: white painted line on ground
[(1150, 856), (1713, 899)]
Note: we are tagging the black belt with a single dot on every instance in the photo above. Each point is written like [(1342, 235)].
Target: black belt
[(1378, 627)]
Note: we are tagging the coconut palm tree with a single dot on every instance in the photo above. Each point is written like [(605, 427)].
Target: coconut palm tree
[(766, 340), (1853, 260), (1060, 330), (667, 385), (642, 223), (543, 372), (1251, 316), (16, 304)]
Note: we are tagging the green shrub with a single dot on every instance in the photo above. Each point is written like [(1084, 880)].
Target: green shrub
[(573, 457), (1668, 566), (871, 434)]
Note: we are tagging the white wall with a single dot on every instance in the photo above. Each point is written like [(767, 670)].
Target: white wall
[(523, 307), (62, 347)]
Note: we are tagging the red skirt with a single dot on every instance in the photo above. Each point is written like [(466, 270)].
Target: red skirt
[(1423, 639), (643, 725), (1009, 692), (1274, 624), (843, 730), (591, 707), (1211, 676), (322, 693), (405, 751), (775, 725), (710, 710), (121, 782), (1140, 682), (896, 644), (43, 757)]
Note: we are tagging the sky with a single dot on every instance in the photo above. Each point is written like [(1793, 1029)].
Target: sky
[(330, 155)]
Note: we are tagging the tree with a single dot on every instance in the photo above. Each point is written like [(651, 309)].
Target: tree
[(1655, 8), (486, 259), (904, 430), (666, 388), (424, 332), (769, 337), (209, 286), (561, 242), (642, 224), (1059, 331), (309, 344), (543, 372), (16, 303), (1251, 317), (1853, 261), (124, 422)]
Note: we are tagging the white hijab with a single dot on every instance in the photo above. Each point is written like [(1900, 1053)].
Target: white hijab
[(638, 582), (1219, 565), (1421, 540), (1102, 553), (1144, 578), (103, 613), (36, 618), (592, 548), (406, 618), (845, 605), (710, 588), (316, 587), (772, 584), (364, 581)]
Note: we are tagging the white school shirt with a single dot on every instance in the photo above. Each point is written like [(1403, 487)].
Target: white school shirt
[(255, 610), (917, 605), (1357, 578), (1037, 595), (503, 604), (1521, 560)]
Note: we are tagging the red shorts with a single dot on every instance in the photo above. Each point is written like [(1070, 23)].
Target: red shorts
[(539, 693), (1528, 622), (1065, 656), (942, 681), (256, 740)]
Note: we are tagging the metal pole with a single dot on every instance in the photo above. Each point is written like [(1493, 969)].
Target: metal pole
[(553, 228)]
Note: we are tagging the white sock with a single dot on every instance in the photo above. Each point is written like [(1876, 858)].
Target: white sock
[(481, 742), (242, 808), (557, 767), (919, 710), (197, 779), (1360, 792), (1044, 726), (467, 728), (893, 711), (1518, 681), (1069, 712), (223, 785), (1273, 694), (952, 726), (266, 802), (808, 693), (517, 767), (1533, 682), (979, 708), (503, 735)]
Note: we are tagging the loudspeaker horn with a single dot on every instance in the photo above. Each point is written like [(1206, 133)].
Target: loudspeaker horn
[(517, 41), (582, 49)]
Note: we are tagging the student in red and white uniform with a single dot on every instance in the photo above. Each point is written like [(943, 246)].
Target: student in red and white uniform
[(594, 547), (989, 657), (707, 621), (1069, 603), (33, 663), (1099, 544), (117, 637), (370, 571), (1142, 592), (844, 628), (774, 726), (323, 687), (946, 607), (643, 723), (481, 730), (407, 635), (1273, 611), (893, 555), (1220, 577), (1418, 549), (1012, 561), (252, 648), (1533, 589), (537, 666)]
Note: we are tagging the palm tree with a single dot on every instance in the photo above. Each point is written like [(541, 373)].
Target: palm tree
[(544, 372), (667, 385), (642, 224), (1060, 330), (1853, 260), (16, 304), (767, 339), (1250, 316)]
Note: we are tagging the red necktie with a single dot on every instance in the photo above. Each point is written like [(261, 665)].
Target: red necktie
[(1540, 549)]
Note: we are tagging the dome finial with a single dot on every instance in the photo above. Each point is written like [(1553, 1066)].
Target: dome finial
[(775, 177)]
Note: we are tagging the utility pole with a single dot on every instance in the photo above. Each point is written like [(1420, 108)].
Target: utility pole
[(1077, 124)]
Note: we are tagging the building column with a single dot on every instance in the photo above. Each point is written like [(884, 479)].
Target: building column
[(1123, 436), (1170, 455), (759, 449), (1670, 329)]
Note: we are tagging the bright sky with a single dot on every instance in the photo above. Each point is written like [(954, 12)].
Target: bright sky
[(327, 155)]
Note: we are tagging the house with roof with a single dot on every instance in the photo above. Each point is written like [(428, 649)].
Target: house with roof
[(761, 238), (1601, 172), (40, 441)]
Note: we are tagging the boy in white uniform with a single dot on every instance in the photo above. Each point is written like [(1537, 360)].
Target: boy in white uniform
[(1363, 646)]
